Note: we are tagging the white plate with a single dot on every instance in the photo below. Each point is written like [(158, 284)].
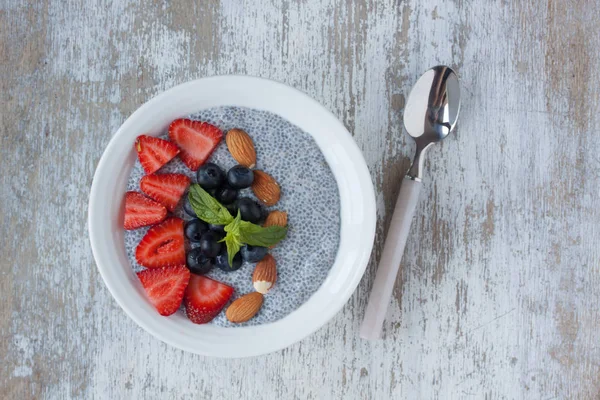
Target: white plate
[(357, 201)]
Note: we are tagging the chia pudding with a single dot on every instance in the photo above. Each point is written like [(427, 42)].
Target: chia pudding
[(309, 194)]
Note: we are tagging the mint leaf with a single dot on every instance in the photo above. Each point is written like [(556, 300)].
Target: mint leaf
[(256, 235), (207, 208), (232, 239)]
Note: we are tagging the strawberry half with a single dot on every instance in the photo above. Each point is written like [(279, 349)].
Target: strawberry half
[(162, 246), (167, 189), (205, 298), (153, 152), (196, 140), (142, 211), (165, 287)]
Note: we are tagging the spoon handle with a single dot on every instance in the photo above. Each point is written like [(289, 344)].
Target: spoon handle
[(390, 259)]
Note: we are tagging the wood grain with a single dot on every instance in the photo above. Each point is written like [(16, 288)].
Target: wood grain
[(498, 296)]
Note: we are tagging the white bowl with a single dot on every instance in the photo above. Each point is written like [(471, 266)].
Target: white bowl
[(357, 201)]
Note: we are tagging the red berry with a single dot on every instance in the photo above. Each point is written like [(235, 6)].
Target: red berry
[(205, 298), (153, 152), (165, 287), (167, 189), (162, 246), (142, 211), (196, 140)]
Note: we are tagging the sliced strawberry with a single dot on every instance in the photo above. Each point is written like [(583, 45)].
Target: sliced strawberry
[(196, 140), (204, 298), (154, 152), (162, 246), (167, 189), (165, 287), (142, 211)]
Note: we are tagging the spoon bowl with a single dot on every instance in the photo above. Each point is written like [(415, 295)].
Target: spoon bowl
[(431, 111), (433, 104)]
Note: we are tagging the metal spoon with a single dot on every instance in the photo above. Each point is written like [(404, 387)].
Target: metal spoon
[(430, 115)]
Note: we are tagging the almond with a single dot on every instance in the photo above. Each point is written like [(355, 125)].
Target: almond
[(241, 147), (245, 307), (265, 274), (276, 218), (266, 188)]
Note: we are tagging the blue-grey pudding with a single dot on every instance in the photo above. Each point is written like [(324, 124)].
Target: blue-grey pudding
[(309, 194)]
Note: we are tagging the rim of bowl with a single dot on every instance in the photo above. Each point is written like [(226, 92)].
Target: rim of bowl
[(357, 203)]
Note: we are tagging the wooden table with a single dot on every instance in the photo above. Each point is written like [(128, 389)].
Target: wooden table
[(498, 297)]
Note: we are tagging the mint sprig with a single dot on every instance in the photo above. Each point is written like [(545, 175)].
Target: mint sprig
[(239, 232)]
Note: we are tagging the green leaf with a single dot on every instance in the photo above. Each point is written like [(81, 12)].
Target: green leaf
[(232, 239), (207, 208), (256, 235)]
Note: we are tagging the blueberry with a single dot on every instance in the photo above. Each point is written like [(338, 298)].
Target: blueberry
[(209, 244), (240, 177), (226, 195), (217, 228), (187, 207), (222, 262), (232, 208), (249, 209), (210, 176), (197, 262), (194, 229), (263, 215), (253, 254)]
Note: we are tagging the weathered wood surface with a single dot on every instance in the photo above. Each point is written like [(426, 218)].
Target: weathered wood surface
[(500, 289)]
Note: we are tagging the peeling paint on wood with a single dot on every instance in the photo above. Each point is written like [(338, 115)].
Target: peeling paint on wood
[(498, 296)]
